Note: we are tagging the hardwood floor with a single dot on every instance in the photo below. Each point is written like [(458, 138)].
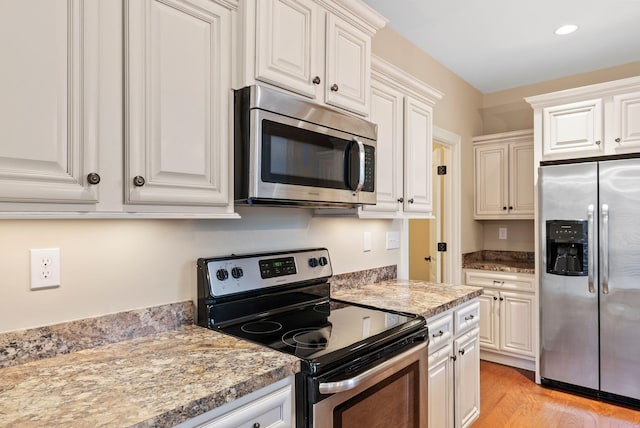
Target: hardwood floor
[(509, 397)]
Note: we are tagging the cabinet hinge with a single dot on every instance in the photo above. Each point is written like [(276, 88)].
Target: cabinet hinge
[(442, 246), (442, 170)]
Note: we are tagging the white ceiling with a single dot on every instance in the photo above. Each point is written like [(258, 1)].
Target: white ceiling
[(501, 44)]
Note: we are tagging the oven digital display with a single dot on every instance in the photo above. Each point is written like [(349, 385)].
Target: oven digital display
[(277, 267)]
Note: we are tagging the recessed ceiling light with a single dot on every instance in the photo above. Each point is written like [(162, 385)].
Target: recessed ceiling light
[(566, 29)]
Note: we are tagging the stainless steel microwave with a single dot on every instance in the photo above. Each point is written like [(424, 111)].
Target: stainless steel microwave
[(289, 151)]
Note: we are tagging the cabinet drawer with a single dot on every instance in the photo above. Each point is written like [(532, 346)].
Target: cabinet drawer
[(466, 317), (440, 331), (511, 281)]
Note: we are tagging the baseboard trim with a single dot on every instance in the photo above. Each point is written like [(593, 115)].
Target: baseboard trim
[(507, 360)]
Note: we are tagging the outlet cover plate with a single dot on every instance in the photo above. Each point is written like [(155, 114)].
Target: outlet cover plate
[(393, 240), (45, 268)]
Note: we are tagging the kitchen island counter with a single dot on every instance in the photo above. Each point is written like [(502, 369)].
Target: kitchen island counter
[(417, 297)]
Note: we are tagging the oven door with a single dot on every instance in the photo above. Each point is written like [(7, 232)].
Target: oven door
[(294, 160), (391, 394)]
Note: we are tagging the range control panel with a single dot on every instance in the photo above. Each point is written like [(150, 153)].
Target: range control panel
[(242, 273)]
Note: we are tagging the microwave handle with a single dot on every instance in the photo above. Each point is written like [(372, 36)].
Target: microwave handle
[(361, 166)]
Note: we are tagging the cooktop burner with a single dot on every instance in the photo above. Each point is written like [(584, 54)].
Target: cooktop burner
[(261, 327)]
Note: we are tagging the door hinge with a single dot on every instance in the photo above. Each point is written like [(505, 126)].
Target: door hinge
[(442, 246), (442, 170)]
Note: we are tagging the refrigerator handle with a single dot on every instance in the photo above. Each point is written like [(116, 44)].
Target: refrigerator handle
[(604, 256), (590, 255)]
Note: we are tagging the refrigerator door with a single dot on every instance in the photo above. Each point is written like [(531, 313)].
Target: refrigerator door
[(620, 277), (568, 304)]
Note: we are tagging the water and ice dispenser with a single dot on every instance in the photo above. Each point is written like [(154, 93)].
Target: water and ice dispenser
[(567, 247)]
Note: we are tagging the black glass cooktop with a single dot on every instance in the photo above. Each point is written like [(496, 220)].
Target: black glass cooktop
[(326, 332)]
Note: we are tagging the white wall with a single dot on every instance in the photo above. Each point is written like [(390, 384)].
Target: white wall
[(114, 265)]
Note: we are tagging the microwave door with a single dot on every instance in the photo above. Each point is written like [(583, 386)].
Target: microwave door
[(300, 161)]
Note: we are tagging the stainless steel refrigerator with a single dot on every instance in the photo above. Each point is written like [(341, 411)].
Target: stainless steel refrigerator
[(589, 227)]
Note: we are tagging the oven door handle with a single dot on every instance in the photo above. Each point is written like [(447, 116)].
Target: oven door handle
[(351, 383)]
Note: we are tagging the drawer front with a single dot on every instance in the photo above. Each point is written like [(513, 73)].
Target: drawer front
[(510, 281), (467, 317), (440, 331)]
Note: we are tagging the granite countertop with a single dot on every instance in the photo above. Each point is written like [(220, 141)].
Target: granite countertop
[(153, 368), (157, 380), (418, 297), (500, 261)]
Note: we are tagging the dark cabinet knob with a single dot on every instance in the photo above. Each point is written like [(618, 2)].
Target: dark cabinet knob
[(410, 201), (438, 334), (256, 425), (334, 88), (618, 140), (501, 299), (598, 143), (495, 298), (461, 351), (504, 208), (316, 80), (510, 208), (453, 357), (93, 178), (401, 200), (138, 181)]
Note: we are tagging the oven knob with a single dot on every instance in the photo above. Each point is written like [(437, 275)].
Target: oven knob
[(323, 261), (313, 262), (236, 272), (222, 274)]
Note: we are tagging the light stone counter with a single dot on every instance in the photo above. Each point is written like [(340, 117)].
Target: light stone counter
[(157, 380), (417, 297)]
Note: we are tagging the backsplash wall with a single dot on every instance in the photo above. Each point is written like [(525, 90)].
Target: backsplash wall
[(110, 266)]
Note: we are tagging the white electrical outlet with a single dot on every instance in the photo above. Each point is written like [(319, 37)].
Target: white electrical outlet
[(45, 268), (502, 233), (393, 240)]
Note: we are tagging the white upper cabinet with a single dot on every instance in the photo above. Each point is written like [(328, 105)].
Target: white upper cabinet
[(178, 95), (595, 120), (417, 156), (348, 66), (625, 129), (402, 107), (504, 169), (573, 129), (83, 139), (289, 45), (319, 49), (48, 107)]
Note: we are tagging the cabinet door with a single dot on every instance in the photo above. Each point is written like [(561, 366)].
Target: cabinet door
[(467, 378), (491, 180), (489, 319), (289, 50), (516, 323), (440, 389), (626, 123), (386, 112), (177, 102), (48, 106), (573, 130), (521, 179), (417, 156), (348, 59)]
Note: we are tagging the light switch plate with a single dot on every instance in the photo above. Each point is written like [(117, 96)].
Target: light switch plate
[(393, 240)]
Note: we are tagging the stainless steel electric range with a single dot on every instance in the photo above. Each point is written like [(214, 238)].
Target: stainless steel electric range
[(359, 364)]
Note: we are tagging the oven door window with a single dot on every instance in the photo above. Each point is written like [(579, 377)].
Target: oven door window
[(292, 155), (394, 402)]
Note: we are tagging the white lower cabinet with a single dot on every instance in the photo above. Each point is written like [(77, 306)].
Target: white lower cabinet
[(269, 407), (507, 317), (454, 367)]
